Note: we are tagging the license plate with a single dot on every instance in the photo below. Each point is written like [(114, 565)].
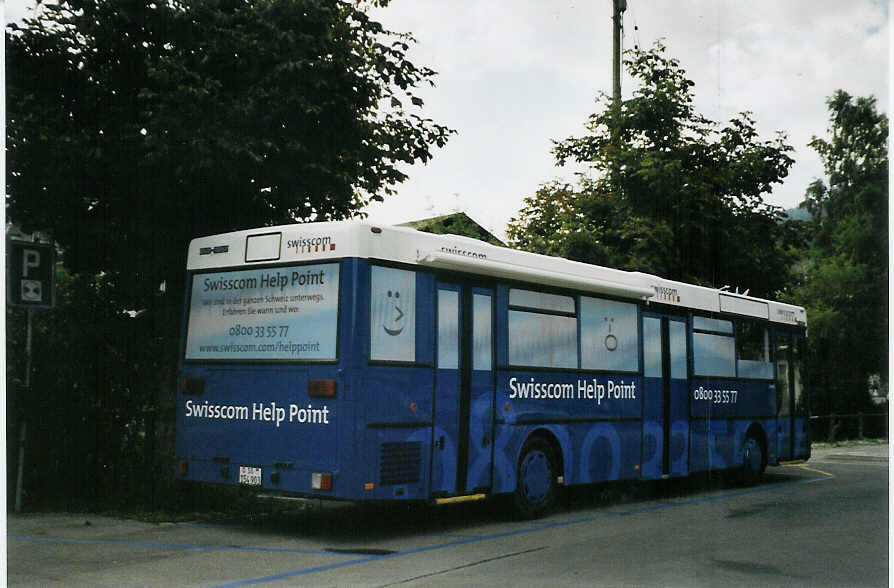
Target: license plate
[(250, 476)]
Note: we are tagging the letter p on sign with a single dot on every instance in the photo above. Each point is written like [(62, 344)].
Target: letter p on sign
[(31, 261)]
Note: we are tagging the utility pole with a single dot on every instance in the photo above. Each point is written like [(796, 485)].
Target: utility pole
[(619, 6)]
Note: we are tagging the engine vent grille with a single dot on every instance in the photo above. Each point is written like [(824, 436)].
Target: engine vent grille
[(400, 463)]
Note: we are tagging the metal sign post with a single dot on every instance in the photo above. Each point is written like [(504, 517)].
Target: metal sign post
[(30, 283), (20, 474)]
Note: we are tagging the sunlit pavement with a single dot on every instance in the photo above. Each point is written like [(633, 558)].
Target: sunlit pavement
[(823, 523), (858, 451)]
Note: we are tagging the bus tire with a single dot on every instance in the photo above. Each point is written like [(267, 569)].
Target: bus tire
[(536, 486), (752, 461)]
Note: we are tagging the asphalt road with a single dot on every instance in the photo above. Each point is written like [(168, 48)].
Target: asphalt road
[(824, 523)]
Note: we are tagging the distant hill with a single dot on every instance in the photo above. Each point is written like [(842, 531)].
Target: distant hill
[(797, 214)]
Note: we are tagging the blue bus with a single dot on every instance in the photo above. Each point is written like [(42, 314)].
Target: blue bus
[(353, 361)]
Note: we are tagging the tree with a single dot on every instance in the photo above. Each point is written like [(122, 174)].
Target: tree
[(843, 281), (673, 192), (136, 126), (95, 412)]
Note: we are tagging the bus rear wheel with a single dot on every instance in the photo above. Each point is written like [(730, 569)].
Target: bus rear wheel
[(536, 486), (752, 461)]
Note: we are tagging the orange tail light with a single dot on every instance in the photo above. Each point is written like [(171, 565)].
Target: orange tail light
[(321, 388)]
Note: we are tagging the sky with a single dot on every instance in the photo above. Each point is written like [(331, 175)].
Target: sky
[(513, 75)]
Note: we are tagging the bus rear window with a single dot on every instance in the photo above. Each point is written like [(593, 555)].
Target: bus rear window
[(279, 313)]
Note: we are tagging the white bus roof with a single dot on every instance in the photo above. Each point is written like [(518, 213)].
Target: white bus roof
[(330, 240)]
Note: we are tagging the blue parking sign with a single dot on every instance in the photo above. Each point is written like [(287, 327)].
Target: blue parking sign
[(30, 274)]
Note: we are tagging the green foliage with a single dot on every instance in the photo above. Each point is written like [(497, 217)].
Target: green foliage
[(674, 193), (588, 225), (136, 126), (95, 411), (843, 279)]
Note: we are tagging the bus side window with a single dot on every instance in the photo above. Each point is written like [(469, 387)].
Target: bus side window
[(542, 329), (753, 350), (392, 314), (482, 348), (652, 347), (783, 385), (609, 337), (448, 329), (713, 347), (798, 386)]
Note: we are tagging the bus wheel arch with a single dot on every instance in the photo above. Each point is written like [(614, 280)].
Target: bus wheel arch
[(539, 467), (551, 438)]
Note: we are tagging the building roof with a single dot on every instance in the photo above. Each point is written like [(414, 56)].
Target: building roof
[(457, 223)]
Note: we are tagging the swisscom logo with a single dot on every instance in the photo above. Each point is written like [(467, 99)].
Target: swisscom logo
[(665, 294), (312, 244)]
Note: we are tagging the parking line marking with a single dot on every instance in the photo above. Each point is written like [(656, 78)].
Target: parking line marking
[(461, 540), (515, 532), (466, 566), (285, 575), (437, 546), (809, 469)]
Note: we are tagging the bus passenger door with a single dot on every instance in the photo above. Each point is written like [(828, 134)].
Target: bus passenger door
[(462, 441), (665, 398), (448, 385), (481, 390), (801, 409), (791, 400)]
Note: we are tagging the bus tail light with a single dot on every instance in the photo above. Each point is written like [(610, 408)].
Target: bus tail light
[(321, 388), (320, 481), (183, 467)]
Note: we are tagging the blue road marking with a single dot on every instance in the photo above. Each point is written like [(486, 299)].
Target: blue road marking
[(460, 539), (305, 571), (474, 539), (532, 529)]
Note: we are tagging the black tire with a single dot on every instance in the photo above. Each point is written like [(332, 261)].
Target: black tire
[(536, 488), (752, 461)]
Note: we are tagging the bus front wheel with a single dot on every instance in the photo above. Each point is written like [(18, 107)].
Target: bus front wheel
[(536, 486)]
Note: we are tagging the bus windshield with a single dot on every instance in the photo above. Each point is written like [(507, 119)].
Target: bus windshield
[(264, 314)]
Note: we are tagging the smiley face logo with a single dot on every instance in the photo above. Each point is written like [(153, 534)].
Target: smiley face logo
[(394, 315), (611, 341)]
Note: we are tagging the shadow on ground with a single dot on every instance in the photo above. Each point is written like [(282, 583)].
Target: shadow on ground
[(347, 526)]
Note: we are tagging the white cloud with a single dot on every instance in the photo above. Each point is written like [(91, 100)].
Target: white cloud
[(514, 74)]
